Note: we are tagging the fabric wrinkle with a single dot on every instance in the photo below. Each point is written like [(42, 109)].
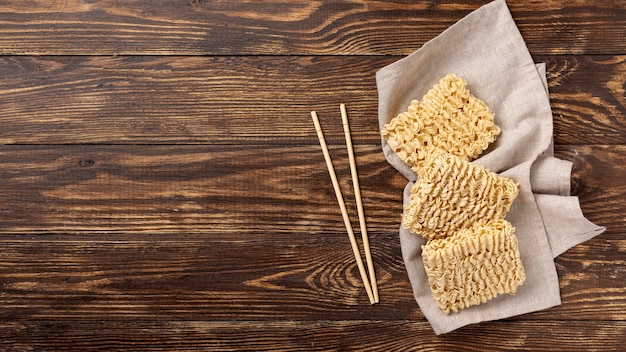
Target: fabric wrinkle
[(487, 50)]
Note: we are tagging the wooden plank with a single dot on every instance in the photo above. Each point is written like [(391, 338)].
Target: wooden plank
[(195, 27), (260, 276), (171, 189), (252, 100), (179, 100), (311, 336), (263, 276), (228, 189), (111, 188)]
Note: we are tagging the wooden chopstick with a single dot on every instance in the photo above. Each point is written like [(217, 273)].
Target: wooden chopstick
[(359, 202), (342, 206)]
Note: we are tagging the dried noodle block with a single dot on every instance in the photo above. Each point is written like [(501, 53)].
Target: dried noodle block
[(473, 266), (452, 193), (449, 117)]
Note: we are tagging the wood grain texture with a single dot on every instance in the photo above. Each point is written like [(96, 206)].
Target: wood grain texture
[(364, 335), (263, 277), (192, 27), (228, 189), (252, 100), (217, 247), (206, 189), (573, 101), (213, 278), (163, 187)]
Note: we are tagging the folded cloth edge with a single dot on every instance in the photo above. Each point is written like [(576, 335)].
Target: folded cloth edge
[(567, 210)]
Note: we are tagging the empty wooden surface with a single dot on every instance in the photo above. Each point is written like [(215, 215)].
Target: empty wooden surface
[(163, 187)]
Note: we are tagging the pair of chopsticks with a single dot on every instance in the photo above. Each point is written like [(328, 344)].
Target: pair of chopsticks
[(372, 290)]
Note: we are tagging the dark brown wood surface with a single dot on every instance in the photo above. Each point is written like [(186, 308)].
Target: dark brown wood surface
[(163, 186)]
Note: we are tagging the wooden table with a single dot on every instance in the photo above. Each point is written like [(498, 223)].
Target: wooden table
[(163, 186)]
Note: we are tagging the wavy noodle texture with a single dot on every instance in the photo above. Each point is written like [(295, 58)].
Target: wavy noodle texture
[(452, 193), (473, 266), (449, 117)]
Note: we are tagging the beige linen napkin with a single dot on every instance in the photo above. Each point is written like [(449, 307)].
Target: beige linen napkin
[(486, 49)]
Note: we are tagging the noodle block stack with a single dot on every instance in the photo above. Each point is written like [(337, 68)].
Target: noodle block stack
[(472, 252)]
